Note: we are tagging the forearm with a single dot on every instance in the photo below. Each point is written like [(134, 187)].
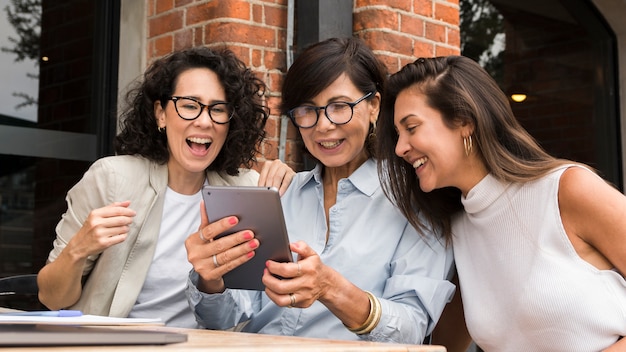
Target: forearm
[(399, 321), (347, 302), (59, 282), (217, 311)]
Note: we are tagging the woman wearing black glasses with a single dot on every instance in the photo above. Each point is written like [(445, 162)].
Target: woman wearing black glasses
[(362, 271), (195, 118)]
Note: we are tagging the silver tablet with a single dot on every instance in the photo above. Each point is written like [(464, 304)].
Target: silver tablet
[(258, 209)]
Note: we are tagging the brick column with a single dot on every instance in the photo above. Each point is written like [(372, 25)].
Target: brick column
[(403, 30), (399, 32)]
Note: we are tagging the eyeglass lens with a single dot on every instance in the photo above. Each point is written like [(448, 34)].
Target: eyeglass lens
[(339, 113), (190, 109)]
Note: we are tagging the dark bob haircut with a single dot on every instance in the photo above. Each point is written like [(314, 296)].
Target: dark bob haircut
[(322, 63)]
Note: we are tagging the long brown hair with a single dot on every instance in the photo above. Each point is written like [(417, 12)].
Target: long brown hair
[(463, 92)]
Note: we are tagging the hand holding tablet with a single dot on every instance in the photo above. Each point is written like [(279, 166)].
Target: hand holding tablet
[(258, 209)]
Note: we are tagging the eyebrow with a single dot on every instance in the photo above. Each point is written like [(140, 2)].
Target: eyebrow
[(331, 100), (403, 120), (214, 101)]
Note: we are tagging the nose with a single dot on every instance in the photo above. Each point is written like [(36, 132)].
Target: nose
[(402, 147), (204, 119), (323, 122)]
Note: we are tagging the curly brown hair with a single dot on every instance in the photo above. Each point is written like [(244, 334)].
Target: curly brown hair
[(139, 134)]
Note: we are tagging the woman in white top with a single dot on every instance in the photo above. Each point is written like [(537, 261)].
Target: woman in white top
[(195, 118), (539, 242)]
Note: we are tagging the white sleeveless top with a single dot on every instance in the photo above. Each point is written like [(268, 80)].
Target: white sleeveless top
[(523, 285)]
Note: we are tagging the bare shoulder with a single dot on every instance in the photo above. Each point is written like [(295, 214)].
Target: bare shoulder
[(590, 207), (579, 184)]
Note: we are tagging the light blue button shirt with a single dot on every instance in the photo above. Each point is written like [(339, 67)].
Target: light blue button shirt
[(370, 243)]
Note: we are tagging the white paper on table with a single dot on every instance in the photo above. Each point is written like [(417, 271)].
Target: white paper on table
[(81, 320)]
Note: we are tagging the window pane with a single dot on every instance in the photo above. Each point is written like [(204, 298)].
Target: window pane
[(44, 152), (560, 55)]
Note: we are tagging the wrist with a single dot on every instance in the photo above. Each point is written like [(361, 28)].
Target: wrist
[(373, 317)]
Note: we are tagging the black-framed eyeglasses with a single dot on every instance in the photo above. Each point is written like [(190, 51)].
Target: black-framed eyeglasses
[(337, 112), (189, 109)]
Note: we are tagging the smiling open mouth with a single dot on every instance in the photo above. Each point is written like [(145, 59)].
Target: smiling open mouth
[(331, 145), (419, 162), (196, 143)]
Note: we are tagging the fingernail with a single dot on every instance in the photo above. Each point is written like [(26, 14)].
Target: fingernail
[(247, 235), (253, 244), (232, 220), (250, 254)]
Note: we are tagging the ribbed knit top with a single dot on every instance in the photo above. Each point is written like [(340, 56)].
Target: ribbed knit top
[(523, 285)]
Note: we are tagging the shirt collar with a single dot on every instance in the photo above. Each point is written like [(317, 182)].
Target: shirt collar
[(365, 178)]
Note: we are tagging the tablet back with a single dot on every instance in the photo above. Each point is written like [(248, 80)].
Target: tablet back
[(258, 209)]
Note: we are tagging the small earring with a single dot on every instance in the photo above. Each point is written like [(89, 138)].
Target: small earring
[(373, 131), (467, 144), (161, 129)]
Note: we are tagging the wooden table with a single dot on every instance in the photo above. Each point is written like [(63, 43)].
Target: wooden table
[(228, 341)]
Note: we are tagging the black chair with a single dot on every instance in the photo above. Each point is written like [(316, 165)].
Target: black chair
[(20, 292)]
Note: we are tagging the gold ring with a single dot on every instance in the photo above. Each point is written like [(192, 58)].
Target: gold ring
[(202, 237), (292, 297), (299, 272), (215, 262)]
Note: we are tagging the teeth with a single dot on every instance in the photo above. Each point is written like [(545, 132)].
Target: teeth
[(199, 140), (330, 144), (419, 162)]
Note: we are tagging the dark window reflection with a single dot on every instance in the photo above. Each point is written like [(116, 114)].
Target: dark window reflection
[(560, 56), (44, 153)]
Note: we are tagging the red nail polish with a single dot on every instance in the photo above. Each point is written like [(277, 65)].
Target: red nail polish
[(232, 220), (250, 254), (247, 236), (252, 244)]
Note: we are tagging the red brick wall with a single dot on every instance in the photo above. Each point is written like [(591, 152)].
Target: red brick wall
[(398, 31), (404, 30)]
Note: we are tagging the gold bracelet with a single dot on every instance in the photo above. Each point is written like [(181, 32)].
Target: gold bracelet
[(372, 319), (376, 314)]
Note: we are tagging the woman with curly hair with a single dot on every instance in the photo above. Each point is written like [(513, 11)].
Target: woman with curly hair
[(196, 118)]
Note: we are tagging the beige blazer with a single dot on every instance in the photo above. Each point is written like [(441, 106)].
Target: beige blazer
[(114, 278)]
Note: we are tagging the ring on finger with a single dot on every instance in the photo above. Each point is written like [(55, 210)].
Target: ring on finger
[(202, 237), (292, 298), (299, 272), (215, 262)]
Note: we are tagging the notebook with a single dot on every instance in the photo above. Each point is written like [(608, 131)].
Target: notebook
[(68, 335)]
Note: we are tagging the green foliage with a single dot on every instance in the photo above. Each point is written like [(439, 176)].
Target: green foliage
[(25, 17), (480, 25)]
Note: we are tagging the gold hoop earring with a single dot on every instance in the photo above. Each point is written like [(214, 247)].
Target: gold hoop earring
[(467, 144)]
